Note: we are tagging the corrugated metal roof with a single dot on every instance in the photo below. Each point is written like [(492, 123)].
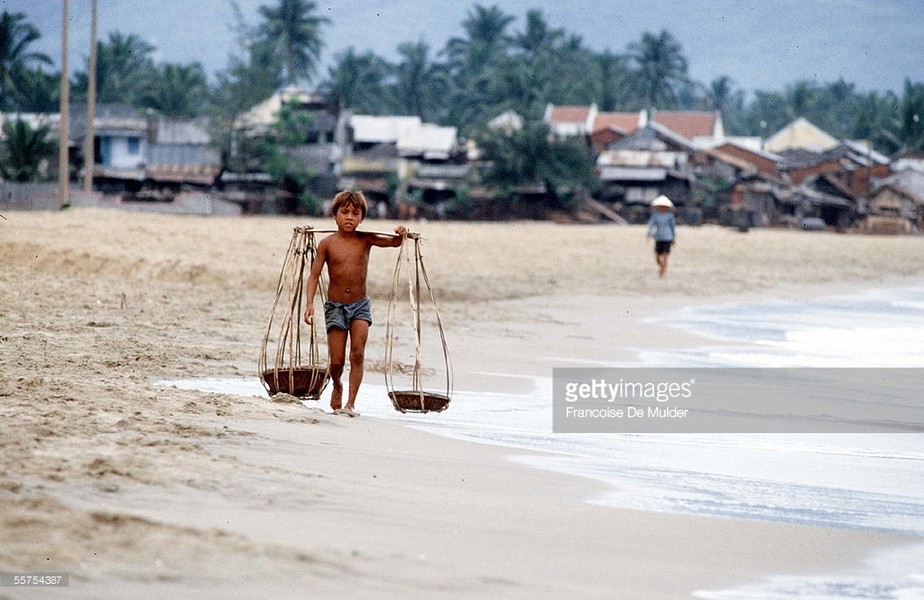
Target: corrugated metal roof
[(266, 113), (621, 173), (182, 154), (641, 158), (427, 140), (371, 129), (181, 132)]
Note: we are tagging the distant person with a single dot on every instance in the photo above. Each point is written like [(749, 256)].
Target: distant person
[(662, 227), (348, 310)]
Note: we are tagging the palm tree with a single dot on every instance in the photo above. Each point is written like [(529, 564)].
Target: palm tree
[(15, 58), (570, 69), (661, 66), (25, 150), (125, 71), (471, 63), (910, 131), (178, 91), (545, 63), (419, 83), (871, 119), (248, 81), (39, 92), (801, 97), (295, 30), (720, 93), (766, 113), (520, 86), (613, 82), (538, 36), (487, 38), (356, 82)]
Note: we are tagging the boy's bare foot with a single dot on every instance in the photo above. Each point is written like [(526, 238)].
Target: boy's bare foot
[(336, 397), (349, 412)]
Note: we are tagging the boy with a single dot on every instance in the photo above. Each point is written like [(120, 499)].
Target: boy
[(348, 311)]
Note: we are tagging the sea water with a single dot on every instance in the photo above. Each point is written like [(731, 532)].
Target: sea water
[(856, 481)]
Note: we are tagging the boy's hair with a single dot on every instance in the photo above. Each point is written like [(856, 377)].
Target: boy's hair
[(353, 197)]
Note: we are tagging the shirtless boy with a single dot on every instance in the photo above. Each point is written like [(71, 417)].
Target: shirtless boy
[(348, 311)]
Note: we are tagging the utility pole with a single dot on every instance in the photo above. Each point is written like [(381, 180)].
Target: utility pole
[(64, 125), (89, 154)]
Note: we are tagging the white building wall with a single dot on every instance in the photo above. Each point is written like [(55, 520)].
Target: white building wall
[(126, 152)]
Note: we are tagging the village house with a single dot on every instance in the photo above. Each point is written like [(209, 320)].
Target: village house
[(764, 162), (896, 204), (179, 156), (135, 156), (120, 146), (319, 152), (570, 121), (702, 129), (640, 155), (145, 156), (802, 135), (798, 173), (829, 177), (908, 159), (402, 159), (611, 126), (637, 168)]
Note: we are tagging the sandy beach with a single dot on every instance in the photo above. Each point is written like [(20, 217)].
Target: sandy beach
[(148, 491)]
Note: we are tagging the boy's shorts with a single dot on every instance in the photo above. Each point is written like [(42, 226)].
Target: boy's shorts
[(342, 314)]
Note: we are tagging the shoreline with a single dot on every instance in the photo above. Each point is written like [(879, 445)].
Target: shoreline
[(100, 305), (487, 547)]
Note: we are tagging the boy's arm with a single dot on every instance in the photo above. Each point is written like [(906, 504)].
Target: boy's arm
[(389, 241), (313, 278)]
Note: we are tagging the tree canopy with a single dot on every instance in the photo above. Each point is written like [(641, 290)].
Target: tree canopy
[(18, 64), (496, 64)]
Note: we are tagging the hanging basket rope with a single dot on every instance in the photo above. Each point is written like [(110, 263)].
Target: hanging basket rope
[(287, 369), (415, 399)]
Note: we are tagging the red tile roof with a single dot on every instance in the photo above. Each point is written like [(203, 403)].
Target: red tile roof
[(623, 121), (689, 124), (569, 114)]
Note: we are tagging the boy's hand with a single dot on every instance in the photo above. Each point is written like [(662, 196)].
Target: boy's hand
[(309, 314), (401, 230)]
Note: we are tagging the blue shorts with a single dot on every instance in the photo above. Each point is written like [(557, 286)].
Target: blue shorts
[(342, 314)]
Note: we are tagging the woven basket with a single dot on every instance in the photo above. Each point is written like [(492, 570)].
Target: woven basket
[(301, 382), (418, 401)]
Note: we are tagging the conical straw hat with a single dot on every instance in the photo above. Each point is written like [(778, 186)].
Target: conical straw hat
[(662, 200)]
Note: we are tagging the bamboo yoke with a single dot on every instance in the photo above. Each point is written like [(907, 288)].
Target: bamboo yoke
[(287, 369)]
